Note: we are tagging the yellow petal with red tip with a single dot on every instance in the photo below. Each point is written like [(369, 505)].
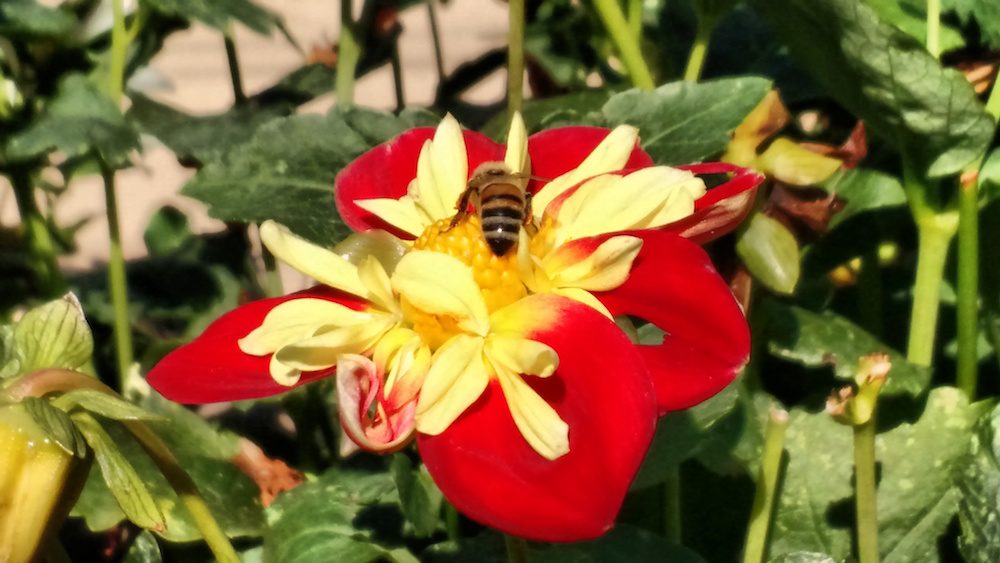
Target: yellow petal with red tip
[(321, 351), (439, 284), (648, 198), (297, 320), (537, 421), (516, 156), (585, 297), (606, 268), (321, 264), (610, 155), (401, 213), (456, 379)]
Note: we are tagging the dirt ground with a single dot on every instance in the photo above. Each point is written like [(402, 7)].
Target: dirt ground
[(191, 74)]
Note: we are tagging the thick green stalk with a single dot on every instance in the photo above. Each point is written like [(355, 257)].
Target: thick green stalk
[(934, 27), (42, 248), (119, 50), (517, 549), (696, 58), (864, 492), (117, 282), (610, 12), (348, 53), (932, 253), (235, 76), (767, 484), (635, 19), (515, 56), (968, 287), (672, 513)]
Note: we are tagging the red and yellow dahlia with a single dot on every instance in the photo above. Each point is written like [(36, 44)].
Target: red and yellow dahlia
[(531, 409)]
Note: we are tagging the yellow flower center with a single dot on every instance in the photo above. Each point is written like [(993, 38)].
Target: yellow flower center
[(545, 238)]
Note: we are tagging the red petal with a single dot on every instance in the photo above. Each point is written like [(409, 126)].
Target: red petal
[(554, 152), (485, 467), (674, 286), (212, 368), (386, 171), (723, 207)]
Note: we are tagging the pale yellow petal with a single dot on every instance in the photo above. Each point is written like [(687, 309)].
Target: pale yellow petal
[(521, 355), (373, 276), (456, 379), (283, 374), (516, 156), (296, 320), (317, 262), (440, 284), (537, 421), (610, 155), (606, 268), (450, 162), (401, 213), (407, 372), (321, 351), (585, 297)]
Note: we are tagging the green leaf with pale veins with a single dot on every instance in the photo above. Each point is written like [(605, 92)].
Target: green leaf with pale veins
[(29, 19), (979, 484), (886, 78), (80, 120), (103, 404), (419, 498), (684, 122), (286, 171), (827, 339), (57, 425), (220, 14), (54, 335), (143, 550), (10, 357)]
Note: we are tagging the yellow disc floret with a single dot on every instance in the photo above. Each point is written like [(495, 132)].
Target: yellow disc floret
[(497, 276)]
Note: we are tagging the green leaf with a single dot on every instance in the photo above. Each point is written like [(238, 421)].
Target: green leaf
[(57, 425), (168, 230), (803, 557), (80, 119), (979, 483), (864, 190), (886, 78), (54, 335), (219, 14), (103, 404), (197, 139), (10, 357), (827, 339), (985, 12), (990, 262), (286, 172), (419, 498), (320, 518), (623, 544), (128, 488), (143, 550), (770, 252), (684, 122), (28, 19), (989, 176), (910, 16)]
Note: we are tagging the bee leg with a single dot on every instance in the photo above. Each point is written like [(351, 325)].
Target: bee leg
[(462, 207), (529, 218)]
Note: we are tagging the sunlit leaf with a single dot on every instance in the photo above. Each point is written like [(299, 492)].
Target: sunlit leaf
[(54, 335), (57, 425), (770, 252)]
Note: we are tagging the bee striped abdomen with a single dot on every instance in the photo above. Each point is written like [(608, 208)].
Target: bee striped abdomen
[(502, 213)]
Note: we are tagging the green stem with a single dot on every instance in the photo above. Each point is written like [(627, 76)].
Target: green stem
[(696, 59), (870, 292), (672, 518), (968, 287), (932, 253), (517, 549), (348, 54), (42, 248), (767, 483), (119, 48), (436, 40), (515, 56), (635, 18), (610, 12), (934, 27), (117, 282), (397, 78), (239, 95), (451, 522), (864, 493)]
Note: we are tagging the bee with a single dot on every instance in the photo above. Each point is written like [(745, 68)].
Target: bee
[(502, 202)]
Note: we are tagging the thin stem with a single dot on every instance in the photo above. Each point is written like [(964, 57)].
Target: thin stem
[(672, 519), (348, 54), (870, 292), (517, 549), (42, 247), (628, 45), (968, 287), (397, 78), (451, 522), (635, 18), (118, 285), (767, 483), (864, 492), (235, 76), (934, 27), (436, 40), (515, 56), (119, 48), (932, 253), (696, 58)]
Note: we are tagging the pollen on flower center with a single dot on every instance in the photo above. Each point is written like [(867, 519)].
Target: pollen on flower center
[(497, 277)]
